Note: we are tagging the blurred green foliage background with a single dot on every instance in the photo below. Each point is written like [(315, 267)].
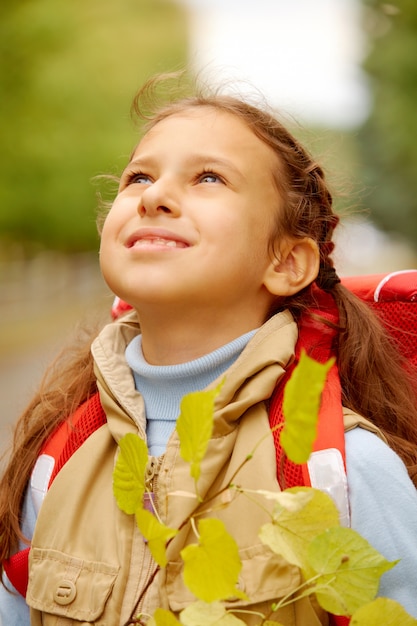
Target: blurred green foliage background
[(388, 139), (68, 71)]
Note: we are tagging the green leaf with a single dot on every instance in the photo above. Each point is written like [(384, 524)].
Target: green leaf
[(211, 568), (382, 611), (301, 403), (202, 614), (129, 473), (162, 617), (156, 534), (349, 568), (297, 521), (194, 427)]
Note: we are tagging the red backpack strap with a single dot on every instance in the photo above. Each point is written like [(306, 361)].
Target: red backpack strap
[(17, 570), (58, 448), (72, 433), (326, 466)]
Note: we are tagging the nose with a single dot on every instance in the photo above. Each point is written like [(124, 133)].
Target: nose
[(159, 197)]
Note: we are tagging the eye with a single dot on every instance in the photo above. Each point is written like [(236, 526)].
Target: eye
[(137, 178), (209, 177), (140, 179)]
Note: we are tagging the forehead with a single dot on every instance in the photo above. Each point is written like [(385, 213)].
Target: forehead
[(209, 129)]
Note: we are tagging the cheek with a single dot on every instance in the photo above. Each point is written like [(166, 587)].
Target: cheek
[(112, 222), (103, 251), (104, 240), (108, 237), (107, 224)]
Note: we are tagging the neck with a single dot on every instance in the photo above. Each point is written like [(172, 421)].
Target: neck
[(171, 340)]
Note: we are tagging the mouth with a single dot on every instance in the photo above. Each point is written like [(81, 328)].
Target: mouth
[(161, 239)]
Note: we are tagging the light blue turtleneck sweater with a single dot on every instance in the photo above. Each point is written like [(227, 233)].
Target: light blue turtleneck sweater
[(163, 386)]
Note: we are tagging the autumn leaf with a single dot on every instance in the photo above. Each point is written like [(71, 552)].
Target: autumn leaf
[(195, 426), (129, 473), (301, 403), (162, 617), (211, 568), (214, 614), (349, 569), (297, 521), (382, 611), (156, 534)]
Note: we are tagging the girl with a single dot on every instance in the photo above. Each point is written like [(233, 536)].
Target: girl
[(221, 226)]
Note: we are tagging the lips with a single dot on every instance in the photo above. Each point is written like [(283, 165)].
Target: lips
[(158, 238)]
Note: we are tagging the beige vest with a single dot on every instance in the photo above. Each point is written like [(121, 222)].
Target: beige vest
[(89, 563)]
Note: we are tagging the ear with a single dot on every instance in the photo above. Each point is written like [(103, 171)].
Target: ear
[(297, 267)]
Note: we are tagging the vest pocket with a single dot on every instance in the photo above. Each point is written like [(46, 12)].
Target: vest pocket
[(69, 587), (264, 576)]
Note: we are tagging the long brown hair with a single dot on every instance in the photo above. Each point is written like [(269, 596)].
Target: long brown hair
[(368, 361), (67, 383)]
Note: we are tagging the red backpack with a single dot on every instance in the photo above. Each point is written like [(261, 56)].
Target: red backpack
[(392, 296)]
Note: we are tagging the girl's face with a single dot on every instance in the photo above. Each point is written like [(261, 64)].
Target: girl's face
[(191, 225)]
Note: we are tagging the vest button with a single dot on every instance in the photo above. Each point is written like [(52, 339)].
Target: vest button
[(65, 592)]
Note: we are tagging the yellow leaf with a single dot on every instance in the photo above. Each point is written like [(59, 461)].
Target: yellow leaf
[(289, 500), (382, 611), (129, 473), (301, 403), (194, 427), (211, 568), (162, 617), (349, 569), (156, 534), (297, 522), (202, 614)]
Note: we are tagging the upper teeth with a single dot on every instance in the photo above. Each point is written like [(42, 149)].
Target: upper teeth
[(158, 241)]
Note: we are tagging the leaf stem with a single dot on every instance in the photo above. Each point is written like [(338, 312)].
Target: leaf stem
[(308, 587)]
